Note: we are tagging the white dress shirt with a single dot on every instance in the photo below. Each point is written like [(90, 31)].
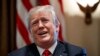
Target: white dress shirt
[(51, 49)]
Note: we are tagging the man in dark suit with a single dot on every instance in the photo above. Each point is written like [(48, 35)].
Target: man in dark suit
[(44, 28)]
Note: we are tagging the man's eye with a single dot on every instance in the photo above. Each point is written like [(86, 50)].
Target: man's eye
[(45, 20), (34, 23)]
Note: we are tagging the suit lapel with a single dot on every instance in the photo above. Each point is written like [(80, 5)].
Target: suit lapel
[(60, 50), (32, 50)]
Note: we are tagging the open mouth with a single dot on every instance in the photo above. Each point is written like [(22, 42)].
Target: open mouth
[(43, 33)]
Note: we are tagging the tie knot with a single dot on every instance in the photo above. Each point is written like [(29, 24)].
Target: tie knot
[(46, 52)]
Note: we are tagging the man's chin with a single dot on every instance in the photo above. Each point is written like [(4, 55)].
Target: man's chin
[(45, 39)]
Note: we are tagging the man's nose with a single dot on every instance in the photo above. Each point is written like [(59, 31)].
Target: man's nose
[(41, 24)]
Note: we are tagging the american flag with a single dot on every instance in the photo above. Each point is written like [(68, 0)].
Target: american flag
[(23, 6)]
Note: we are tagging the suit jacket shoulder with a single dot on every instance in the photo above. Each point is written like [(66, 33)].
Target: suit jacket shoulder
[(29, 50), (73, 50)]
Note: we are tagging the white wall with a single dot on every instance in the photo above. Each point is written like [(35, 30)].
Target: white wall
[(78, 32)]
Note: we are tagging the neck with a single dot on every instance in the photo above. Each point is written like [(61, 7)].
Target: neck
[(47, 45)]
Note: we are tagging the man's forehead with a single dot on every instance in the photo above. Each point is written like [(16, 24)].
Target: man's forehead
[(42, 14)]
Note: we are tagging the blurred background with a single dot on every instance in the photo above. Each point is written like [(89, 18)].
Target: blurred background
[(71, 13)]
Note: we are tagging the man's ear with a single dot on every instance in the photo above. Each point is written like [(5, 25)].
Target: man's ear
[(58, 26)]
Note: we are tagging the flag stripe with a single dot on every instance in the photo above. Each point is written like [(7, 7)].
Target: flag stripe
[(43, 2), (22, 12), (61, 6), (22, 30), (60, 32), (21, 26), (27, 4), (19, 39)]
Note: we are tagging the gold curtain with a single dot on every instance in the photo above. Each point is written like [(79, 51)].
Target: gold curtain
[(7, 26)]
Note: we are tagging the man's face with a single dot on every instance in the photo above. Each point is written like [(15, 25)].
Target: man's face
[(42, 28)]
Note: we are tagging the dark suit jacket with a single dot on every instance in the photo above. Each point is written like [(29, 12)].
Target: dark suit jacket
[(62, 49)]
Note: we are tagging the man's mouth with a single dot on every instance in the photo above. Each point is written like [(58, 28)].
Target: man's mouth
[(42, 33)]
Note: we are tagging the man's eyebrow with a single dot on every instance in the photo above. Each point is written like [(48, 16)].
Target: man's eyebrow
[(32, 20), (43, 18)]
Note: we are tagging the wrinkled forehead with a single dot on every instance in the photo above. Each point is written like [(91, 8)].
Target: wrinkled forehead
[(38, 14), (41, 12), (41, 16)]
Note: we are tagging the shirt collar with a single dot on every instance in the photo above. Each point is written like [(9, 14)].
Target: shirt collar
[(51, 49)]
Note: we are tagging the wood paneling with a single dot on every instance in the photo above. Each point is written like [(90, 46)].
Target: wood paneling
[(7, 26)]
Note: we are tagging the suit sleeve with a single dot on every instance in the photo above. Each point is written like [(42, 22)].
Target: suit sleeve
[(82, 53)]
